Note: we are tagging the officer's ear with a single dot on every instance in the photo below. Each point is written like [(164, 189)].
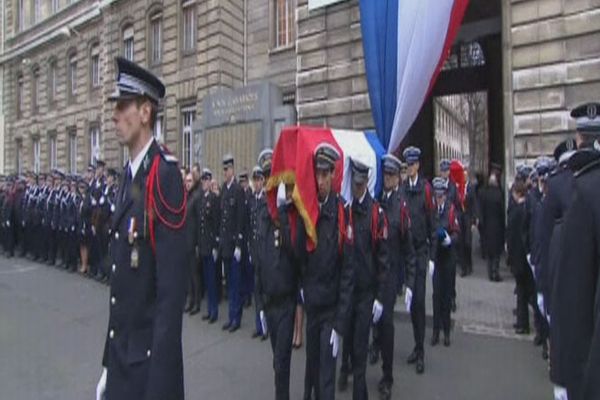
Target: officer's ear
[(145, 109)]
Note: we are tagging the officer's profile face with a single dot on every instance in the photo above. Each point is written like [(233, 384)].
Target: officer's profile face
[(189, 182), (228, 173), (129, 118), (258, 183), (324, 179), (390, 181), (205, 184)]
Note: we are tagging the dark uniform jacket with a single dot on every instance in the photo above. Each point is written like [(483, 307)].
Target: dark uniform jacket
[(401, 252), (516, 237), (492, 220), (446, 221), (576, 299), (276, 252), (420, 205), (369, 252), (232, 219), (207, 215), (143, 354)]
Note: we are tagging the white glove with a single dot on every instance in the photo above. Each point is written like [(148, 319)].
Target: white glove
[(334, 341), (540, 303), (377, 311), (263, 322), (447, 241), (101, 388), (250, 259), (431, 268), (8, 223), (215, 255), (560, 393), (237, 254), (529, 259), (408, 299), (302, 294)]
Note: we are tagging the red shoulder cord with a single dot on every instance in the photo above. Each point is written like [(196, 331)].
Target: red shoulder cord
[(428, 198), (152, 207), (342, 226), (376, 233)]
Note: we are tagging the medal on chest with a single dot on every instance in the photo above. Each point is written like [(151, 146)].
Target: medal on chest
[(131, 237)]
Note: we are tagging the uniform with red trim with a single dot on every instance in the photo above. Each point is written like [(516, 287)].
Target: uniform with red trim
[(143, 352)]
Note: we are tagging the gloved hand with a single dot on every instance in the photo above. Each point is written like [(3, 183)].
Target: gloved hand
[(540, 303), (408, 299), (560, 393), (237, 254), (101, 387), (334, 341), (250, 259), (441, 234), (529, 259), (447, 240), (215, 255), (263, 322), (431, 268), (302, 295), (377, 311), (8, 224)]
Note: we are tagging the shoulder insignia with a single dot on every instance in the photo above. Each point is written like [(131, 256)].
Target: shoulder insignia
[(170, 158)]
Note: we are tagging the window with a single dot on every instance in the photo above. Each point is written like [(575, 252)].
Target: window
[(52, 151), (18, 165), (21, 15), (284, 22), (159, 128), (72, 76), (35, 90), (128, 42), (95, 66), (155, 37), (52, 81), (20, 95), (94, 144), (72, 152), (37, 10), (36, 155), (188, 115), (55, 5), (189, 25)]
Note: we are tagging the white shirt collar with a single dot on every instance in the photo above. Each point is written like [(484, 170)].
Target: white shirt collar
[(413, 183), (230, 183), (134, 165)]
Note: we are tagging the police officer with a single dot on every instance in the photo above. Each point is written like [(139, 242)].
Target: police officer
[(444, 239), (231, 240), (368, 230), (82, 222), (277, 247), (194, 289), (71, 226), (401, 255), (208, 231), (142, 353), (576, 361), (327, 281), (417, 193), (247, 277)]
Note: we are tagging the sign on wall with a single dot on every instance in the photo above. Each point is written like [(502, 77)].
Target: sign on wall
[(314, 4)]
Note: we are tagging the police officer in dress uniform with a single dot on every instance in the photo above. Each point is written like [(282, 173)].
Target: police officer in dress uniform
[(208, 231), (143, 351), (231, 240), (417, 193), (107, 208), (327, 279), (247, 278), (370, 262), (277, 247), (576, 293), (444, 241), (194, 282)]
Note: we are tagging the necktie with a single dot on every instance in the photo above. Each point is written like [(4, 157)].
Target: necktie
[(126, 184)]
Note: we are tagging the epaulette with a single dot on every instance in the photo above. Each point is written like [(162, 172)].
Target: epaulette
[(167, 155), (587, 168), (583, 161)]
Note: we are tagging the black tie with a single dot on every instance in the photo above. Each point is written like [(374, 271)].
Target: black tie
[(126, 184)]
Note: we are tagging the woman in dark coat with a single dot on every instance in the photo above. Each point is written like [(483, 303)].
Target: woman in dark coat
[(492, 221)]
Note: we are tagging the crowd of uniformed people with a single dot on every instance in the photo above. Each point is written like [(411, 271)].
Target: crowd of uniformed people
[(150, 237)]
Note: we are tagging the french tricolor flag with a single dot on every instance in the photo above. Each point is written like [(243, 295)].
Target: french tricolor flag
[(406, 43)]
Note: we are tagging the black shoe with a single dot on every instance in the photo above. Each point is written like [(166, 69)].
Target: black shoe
[(343, 382), (453, 306), (537, 340), (545, 351), (255, 335), (413, 357), (227, 326), (522, 331), (447, 340), (205, 317), (265, 337), (195, 310), (188, 307), (420, 368), (212, 320), (435, 339), (373, 354), (234, 328)]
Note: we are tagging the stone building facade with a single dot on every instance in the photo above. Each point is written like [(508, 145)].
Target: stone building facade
[(57, 69)]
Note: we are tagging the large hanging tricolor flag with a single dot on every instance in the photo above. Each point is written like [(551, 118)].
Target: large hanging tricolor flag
[(405, 43), (293, 162)]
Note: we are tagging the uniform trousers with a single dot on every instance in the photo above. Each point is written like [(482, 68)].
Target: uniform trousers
[(280, 324)]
